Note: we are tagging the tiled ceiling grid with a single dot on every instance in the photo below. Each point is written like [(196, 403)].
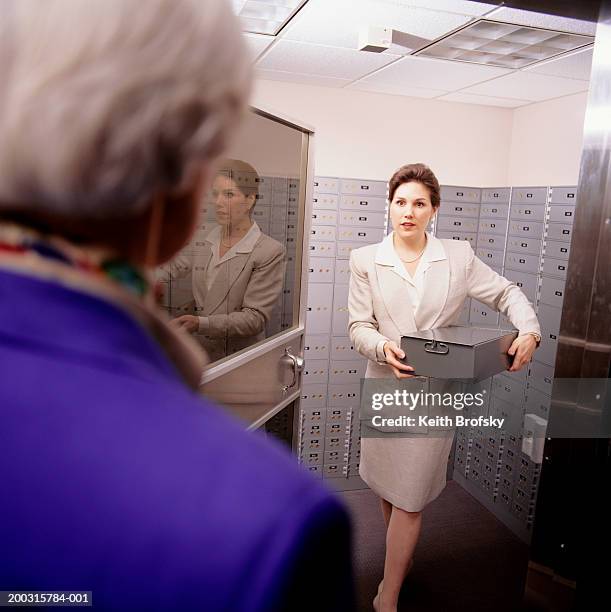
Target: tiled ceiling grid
[(319, 46)]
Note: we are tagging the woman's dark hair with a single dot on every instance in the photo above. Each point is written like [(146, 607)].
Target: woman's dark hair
[(415, 173)]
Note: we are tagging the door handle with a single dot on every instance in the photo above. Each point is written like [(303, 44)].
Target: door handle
[(296, 363)]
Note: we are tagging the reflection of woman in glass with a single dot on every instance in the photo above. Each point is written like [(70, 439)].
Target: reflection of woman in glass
[(237, 270)]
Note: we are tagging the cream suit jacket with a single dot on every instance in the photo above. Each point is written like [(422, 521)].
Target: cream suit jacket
[(242, 296), (380, 309)]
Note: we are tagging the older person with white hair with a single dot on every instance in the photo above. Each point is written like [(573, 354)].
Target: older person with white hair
[(117, 478)]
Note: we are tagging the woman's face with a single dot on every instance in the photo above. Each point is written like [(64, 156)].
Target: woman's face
[(411, 209), (232, 206)]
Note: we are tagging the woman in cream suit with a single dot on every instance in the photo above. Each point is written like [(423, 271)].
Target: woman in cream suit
[(237, 270), (414, 281)]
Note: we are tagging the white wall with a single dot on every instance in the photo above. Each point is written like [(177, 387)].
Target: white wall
[(366, 135), (546, 142)]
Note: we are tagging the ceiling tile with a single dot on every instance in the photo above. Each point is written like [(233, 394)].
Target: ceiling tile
[(257, 43), (337, 22), (551, 22), (483, 100), (292, 77), (289, 56), (399, 88), (528, 86), (574, 66), (464, 7), (433, 74)]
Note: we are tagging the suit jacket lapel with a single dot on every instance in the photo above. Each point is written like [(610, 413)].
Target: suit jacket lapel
[(226, 276), (435, 294), (396, 298)]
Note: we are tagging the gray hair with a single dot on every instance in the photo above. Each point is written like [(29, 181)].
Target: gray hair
[(104, 102)]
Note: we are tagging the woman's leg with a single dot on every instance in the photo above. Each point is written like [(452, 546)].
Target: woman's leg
[(386, 510), (401, 538)]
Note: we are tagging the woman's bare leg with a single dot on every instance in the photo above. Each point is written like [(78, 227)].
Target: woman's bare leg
[(401, 538), (386, 510)]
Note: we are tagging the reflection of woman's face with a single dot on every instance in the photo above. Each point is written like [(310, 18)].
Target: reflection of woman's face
[(232, 206)]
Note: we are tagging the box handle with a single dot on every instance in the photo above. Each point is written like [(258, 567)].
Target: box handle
[(438, 348)]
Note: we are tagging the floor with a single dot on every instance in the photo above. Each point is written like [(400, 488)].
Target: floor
[(466, 559)]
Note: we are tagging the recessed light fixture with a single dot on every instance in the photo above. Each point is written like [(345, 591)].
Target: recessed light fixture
[(506, 45), (265, 16)]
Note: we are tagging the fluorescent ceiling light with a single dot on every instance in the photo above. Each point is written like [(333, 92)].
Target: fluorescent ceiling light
[(505, 45), (265, 16)]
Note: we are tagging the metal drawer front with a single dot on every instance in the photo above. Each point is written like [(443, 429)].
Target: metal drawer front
[(490, 241), (555, 267), (560, 231), (323, 232), (546, 353), (528, 229), (549, 318), (552, 291), (346, 372), (564, 195), (319, 309), (528, 283), (541, 377), (325, 201), (340, 310), (343, 350), (529, 246), (321, 270), (562, 214), (342, 272), (492, 195), (453, 193), (525, 212), (316, 347), (344, 395), (508, 390), (324, 217), (362, 219), (313, 396), (464, 209), (557, 250), (530, 195), (326, 184), (367, 188), (489, 257), (358, 234), (522, 262), (349, 202), (315, 372), (482, 315), (493, 211), (537, 403), (471, 237), (344, 248), (498, 227), (457, 224), (321, 249)]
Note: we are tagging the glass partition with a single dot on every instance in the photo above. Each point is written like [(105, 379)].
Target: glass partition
[(236, 283)]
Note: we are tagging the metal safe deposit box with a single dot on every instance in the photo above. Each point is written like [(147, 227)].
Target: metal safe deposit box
[(470, 354)]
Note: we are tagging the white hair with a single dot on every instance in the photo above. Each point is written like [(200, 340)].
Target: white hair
[(104, 102)]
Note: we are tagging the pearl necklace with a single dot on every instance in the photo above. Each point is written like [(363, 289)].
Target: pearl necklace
[(416, 258)]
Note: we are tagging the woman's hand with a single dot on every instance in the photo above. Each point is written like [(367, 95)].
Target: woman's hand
[(393, 353), (189, 323), (522, 349)]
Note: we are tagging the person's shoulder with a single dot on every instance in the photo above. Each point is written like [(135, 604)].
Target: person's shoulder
[(269, 246), (365, 253), (455, 248)]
